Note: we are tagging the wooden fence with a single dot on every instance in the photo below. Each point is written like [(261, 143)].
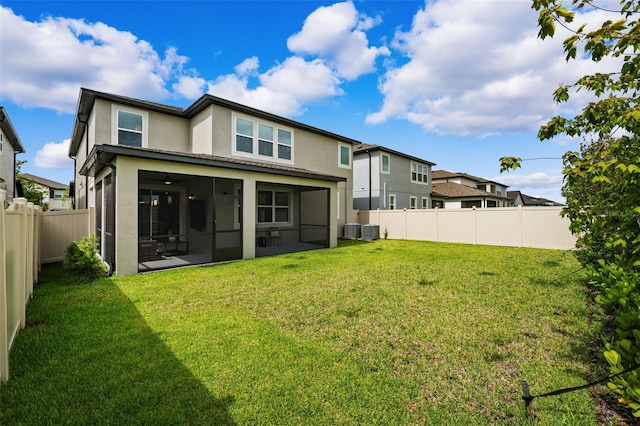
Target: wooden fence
[(28, 238), (539, 227)]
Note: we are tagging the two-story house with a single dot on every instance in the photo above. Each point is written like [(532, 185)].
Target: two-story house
[(52, 192), (10, 145), (461, 190), (386, 179), (211, 182)]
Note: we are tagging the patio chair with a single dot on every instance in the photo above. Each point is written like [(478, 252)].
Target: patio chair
[(274, 236)]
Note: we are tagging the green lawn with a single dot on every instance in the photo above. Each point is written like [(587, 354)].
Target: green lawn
[(384, 332)]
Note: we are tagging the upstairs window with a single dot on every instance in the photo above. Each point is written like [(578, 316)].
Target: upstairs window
[(419, 173), (262, 140), (1, 143), (244, 135), (129, 129), (385, 166), (344, 156), (130, 126)]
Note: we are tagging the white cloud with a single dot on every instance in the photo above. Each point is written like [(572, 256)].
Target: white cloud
[(45, 63), (538, 184), (283, 89), (336, 35), (477, 68), (54, 155)]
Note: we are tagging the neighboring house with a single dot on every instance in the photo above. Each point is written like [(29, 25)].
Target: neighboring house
[(517, 198), (386, 179), (460, 190), (52, 192), (10, 145), (213, 182)]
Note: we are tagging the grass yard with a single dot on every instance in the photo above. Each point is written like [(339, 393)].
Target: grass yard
[(385, 332)]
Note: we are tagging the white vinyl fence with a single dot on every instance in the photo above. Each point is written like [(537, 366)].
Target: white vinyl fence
[(28, 238), (19, 267), (539, 227), (61, 228)]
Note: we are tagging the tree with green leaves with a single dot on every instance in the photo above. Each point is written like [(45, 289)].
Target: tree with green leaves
[(602, 178), (31, 191)]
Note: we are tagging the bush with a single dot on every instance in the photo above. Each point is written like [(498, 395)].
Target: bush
[(620, 297), (82, 259)]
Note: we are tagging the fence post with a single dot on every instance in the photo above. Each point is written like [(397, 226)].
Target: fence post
[(4, 336), (20, 263), (28, 254)]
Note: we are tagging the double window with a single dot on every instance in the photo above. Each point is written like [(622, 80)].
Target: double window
[(419, 173), (274, 206), (262, 140)]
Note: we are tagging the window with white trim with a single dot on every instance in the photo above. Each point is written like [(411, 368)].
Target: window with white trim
[(274, 206), (425, 203), (344, 156), (413, 203), (392, 201), (385, 164), (262, 140), (1, 143), (419, 173), (130, 126)]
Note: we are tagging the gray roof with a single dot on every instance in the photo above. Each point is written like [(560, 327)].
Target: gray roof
[(528, 200), (45, 182), (102, 154), (87, 98), (10, 132), (444, 174), (365, 147), (456, 190)]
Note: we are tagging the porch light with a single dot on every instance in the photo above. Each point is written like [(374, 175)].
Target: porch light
[(167, 180)]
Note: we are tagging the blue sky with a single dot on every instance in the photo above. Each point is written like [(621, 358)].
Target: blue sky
[(456, 82)]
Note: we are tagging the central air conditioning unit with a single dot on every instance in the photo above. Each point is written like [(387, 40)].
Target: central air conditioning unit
[(370, 232), (352, 230)]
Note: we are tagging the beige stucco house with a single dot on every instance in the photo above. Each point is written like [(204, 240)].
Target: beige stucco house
[(52, 192), (10, 146), (212, 182)]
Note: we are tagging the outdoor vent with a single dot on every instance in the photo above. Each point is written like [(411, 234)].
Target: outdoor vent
[(352, 230), (370, 232)]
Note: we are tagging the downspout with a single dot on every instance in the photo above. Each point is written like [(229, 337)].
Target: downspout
[(370, 173), (86, 155), (113, 213)]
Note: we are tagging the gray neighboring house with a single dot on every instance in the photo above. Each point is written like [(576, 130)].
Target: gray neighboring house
[(461, 190), (10, 145), (517, 198), (386, 179), (52, 192)]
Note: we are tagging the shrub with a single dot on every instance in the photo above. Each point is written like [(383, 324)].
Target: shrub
[(620, 297), (82, 259)]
